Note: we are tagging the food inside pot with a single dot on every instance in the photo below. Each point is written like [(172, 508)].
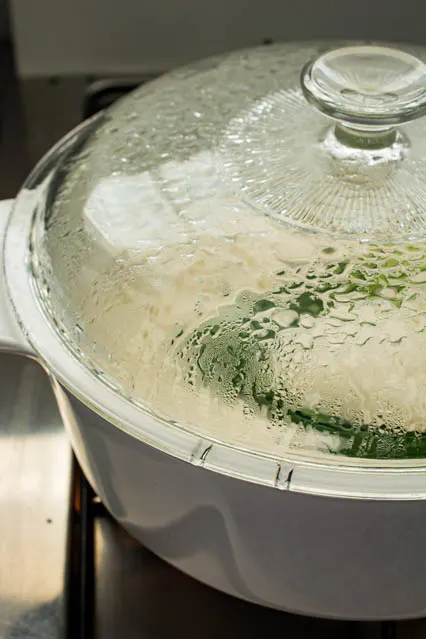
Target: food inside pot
[(227, 257), (297, 354), (322, 352)]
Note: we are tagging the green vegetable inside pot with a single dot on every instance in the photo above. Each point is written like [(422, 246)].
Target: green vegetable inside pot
[(255, 348)]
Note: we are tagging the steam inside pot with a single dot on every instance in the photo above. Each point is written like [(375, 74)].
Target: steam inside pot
[(323, 351), (224, 255), (298, 354)]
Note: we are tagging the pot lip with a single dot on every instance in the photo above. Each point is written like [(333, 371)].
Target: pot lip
[(397, 480)]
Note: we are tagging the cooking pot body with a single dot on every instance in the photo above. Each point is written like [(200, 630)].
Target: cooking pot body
[(335, 557), (340, 557), (315, 555)]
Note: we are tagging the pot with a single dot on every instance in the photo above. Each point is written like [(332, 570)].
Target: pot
[(141, 268)]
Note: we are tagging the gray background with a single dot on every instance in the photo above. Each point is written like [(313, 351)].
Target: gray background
[(127, 36)]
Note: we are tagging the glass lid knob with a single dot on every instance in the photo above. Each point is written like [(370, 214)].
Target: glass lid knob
[(367, 88), (360, 174)]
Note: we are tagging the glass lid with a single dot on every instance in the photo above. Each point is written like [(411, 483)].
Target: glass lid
[(239, 248)]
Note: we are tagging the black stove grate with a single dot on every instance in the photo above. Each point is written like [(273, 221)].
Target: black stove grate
[(80, 562)]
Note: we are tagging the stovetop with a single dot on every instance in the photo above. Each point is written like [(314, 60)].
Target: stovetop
[(69, 571)]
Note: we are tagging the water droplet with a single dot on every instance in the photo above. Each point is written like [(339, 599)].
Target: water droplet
[(305, 339), (285, 318), (419, 278), (307, 321)]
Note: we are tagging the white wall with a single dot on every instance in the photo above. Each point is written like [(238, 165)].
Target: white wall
[(126, 36)]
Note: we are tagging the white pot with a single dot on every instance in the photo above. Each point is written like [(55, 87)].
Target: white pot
[(340, 542), (331, 536)]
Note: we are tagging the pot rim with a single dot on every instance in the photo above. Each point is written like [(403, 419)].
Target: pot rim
[(338, 477)]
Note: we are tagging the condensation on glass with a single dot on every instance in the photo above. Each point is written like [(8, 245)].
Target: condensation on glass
[(239, 248)]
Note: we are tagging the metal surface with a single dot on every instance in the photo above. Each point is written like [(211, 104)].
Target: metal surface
[(34, 495)]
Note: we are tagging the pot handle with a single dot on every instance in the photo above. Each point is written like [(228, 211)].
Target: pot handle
[(12, 339)]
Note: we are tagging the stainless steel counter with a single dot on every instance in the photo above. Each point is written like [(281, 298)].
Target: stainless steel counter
[(34, 495)]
